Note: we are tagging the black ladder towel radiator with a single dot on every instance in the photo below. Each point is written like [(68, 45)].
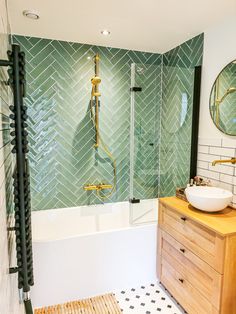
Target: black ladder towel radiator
[(22, 228)]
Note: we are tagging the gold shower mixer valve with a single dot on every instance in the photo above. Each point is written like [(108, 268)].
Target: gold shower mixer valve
[(96, 187)]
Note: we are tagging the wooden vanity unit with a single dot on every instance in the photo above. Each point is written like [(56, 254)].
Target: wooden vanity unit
[(197, 256)]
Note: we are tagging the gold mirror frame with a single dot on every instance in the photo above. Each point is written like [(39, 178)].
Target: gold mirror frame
[(218, 100)]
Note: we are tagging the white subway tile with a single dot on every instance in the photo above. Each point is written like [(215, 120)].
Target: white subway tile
[(207, 157), (214, 183), (226, 178), (234, 201), (226, 142), (202, 164), (226, 186), (234, 189), (203, 149), (209, 174), (209, 141), (230, 152), (222, 169), (200, 175)]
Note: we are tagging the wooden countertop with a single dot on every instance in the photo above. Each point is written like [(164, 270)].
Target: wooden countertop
[(223, 222)]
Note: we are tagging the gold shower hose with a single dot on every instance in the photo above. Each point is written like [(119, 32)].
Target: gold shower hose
[(105, 149)]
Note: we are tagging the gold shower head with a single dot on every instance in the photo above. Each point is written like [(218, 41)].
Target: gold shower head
[(95, 80)]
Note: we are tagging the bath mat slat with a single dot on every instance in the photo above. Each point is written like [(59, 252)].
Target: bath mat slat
[(105, 304)]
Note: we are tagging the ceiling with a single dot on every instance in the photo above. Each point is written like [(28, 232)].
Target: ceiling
[(150, 25)]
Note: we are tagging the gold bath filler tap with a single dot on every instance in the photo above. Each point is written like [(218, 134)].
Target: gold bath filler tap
[(97, 187), (221, 161)]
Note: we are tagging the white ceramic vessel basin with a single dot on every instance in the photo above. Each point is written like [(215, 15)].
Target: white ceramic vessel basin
[(207, 198)]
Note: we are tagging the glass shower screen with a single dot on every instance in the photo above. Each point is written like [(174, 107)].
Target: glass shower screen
[(145, 113)]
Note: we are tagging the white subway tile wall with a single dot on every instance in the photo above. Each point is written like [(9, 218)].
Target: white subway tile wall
[(221, 175), (9, 300)]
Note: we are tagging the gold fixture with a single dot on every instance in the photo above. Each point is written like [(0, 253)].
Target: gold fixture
[(95, 93), (221, 161), (92, 187), (96, 80), (218, 100), (228, 91)]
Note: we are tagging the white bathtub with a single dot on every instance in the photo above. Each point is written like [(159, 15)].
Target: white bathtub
[(90, 250)]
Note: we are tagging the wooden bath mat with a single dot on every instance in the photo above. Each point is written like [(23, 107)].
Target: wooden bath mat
[(104, 304)]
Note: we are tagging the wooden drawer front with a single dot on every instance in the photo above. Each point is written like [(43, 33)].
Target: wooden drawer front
[(200, 240), (192, 269), (185, 293)]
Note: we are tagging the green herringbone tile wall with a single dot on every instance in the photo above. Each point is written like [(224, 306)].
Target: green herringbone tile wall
[(176, 116), (62, 157)]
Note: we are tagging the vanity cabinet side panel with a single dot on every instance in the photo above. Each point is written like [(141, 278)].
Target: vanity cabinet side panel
[(228, 302), (159, 252)]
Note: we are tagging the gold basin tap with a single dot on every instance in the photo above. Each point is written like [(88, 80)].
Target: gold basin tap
[(221, 161)]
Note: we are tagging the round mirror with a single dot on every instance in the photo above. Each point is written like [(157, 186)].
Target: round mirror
[(223, 100)]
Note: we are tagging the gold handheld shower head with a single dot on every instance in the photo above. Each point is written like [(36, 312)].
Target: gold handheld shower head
[(95, 80)]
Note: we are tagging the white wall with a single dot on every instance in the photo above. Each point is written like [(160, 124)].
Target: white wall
[(219, 50)]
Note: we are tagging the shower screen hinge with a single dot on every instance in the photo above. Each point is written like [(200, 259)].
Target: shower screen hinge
[(134, 200), (136, 89)]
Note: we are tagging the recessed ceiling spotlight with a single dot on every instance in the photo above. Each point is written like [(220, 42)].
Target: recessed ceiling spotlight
[(31, 14), (105, 32)]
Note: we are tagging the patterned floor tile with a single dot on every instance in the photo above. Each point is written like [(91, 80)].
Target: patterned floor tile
[(147, 299)]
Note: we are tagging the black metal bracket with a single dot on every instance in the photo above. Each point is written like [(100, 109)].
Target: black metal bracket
[(11, 229), (5, 63), (28, 307), (134, 200), (195, 120), (13, 270), (136, 89)]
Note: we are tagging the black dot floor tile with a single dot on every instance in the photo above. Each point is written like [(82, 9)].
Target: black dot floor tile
[(147, 299)]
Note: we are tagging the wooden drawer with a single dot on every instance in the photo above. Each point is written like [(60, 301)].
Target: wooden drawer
[(184, 292), (191, 268), (203, 242)]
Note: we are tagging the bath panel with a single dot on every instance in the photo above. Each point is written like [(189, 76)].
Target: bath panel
[(71, 265)]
